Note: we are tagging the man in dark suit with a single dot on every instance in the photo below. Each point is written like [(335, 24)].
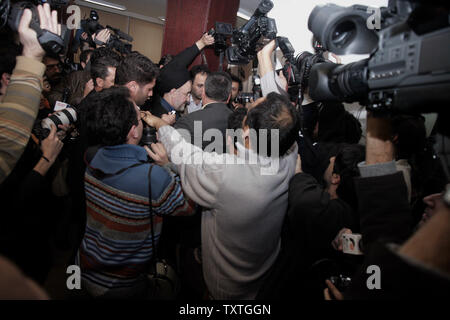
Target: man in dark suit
[(213, 115)]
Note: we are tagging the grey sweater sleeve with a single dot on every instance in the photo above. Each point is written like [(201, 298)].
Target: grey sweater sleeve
[(271, 83), (201, 172)]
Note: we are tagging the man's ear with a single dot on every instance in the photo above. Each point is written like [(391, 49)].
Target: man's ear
[(83, 65), (5, 79), (133, 133), (172, 91), (133, 87), (229, 97), (335, 178), (100, 82)]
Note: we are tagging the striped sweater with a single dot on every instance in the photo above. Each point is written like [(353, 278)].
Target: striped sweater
[(117, 245), (18, 112)]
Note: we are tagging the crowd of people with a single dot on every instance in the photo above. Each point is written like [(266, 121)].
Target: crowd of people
[(162, 166)]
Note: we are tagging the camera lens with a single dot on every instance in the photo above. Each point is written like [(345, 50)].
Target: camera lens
[(343, 34)]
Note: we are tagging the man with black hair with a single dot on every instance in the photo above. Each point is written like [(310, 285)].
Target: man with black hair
[(76, 82), (174, 83), (241, 222), (138, 73), (236, 87), (117, 200), (235, 121), (53, 71), (316, 215), (103, 73), (7, 65), (198, 77), (214, 113)]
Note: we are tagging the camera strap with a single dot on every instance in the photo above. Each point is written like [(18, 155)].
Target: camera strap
[(150, 206)]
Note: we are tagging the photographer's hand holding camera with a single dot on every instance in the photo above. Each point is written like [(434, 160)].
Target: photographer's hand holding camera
[(204, 41), (405, 264), (102, 38), (50, 147), (21, 102), (270, 80)]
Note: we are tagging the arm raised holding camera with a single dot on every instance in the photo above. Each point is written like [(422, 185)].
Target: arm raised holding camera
[(270, 80), (19, 108)]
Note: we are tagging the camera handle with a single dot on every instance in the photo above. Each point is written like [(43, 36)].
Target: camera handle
[(50, 42)]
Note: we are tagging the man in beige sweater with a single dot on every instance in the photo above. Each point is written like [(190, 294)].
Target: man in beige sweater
[(245, 201), (19, 107)]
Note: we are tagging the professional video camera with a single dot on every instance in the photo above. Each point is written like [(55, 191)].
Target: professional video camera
[(91, 26), (221, 32), (296, 70), (11, 14), (409, 66), (246, 39)]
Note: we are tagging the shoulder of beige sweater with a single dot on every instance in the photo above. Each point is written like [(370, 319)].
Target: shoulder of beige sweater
[(27, 66)]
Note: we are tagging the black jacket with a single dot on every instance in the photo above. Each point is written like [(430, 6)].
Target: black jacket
[(212, 116), (312, 222), (385, 217)]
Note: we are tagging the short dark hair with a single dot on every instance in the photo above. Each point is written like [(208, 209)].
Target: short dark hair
[(104, 52), (85, 55), (236, 120), (346, 166), (7, 63), (136, 67), (109, 116), (236, 79), (276, 112), (200, 68), (218, 86), (99, 67)]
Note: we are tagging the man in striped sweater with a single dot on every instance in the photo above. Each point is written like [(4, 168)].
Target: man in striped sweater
[(117, 246)]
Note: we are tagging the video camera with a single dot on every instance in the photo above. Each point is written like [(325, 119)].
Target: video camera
[(296, 70), (246, 39), (409, 66), (91, 26), (221, 32), (52, 43)]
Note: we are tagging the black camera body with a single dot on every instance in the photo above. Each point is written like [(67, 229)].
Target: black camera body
[(246, 39), (148, 136), (91, 26), (341, 282), (221, 32), (245, 97), (409, 67), (52, 43)]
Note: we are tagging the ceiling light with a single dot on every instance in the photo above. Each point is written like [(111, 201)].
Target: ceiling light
[(162, 18), (107, 4)]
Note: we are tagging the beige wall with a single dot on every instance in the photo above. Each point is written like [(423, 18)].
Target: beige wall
[(148, 37)]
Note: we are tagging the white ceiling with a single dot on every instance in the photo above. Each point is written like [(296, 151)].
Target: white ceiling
[(157, 8)]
